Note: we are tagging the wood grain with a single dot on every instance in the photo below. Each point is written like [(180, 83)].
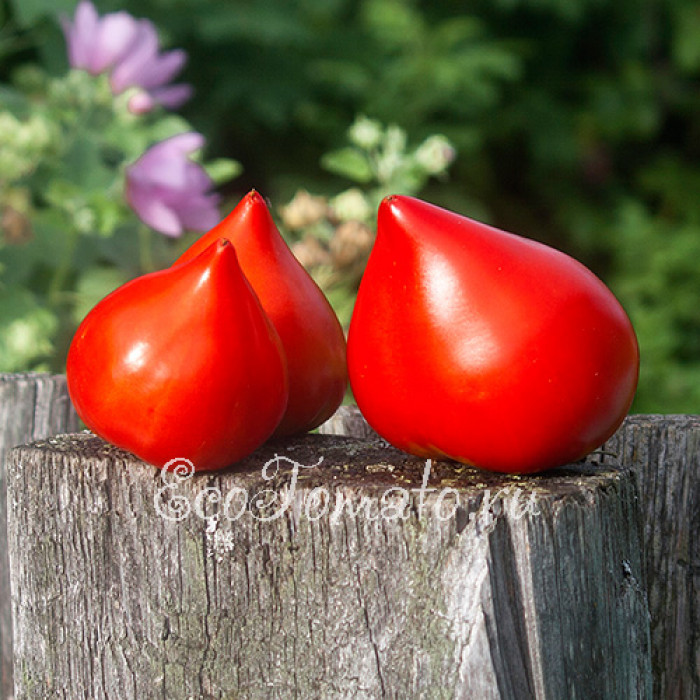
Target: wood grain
[(32, 406), (664, 451), (501, 588)]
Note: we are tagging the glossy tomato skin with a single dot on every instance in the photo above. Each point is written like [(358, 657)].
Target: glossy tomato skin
[(181, 363), (475, 344), (313, 340)]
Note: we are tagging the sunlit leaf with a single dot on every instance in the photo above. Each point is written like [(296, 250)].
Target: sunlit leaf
[(348, 162)]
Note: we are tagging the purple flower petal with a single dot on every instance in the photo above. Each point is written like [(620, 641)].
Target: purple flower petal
[(144, 51), (166, 163), (180, 144), (115, 37), (153, 211), (172, 96), (168, 191), (201, 216), (129, 49), (161, 69), (196, 178), (80, 35)]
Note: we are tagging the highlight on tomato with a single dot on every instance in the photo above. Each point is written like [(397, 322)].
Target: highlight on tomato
[(181, 364), (478, 345), (311, 335)]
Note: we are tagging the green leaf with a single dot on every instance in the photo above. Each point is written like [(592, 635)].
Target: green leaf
[(686, 39), (350, 163), (26, 331), (82, 164), (392, 22), (223, 169)]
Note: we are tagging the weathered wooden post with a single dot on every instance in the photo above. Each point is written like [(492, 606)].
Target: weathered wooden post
[(323, 567), (664, 451), (32, 406)]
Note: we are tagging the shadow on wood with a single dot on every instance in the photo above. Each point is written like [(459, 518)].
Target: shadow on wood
[(353, 578)]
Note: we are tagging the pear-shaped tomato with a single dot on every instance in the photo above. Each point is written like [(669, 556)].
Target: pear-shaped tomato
[(181, 363), (475, 344), (312, 338)]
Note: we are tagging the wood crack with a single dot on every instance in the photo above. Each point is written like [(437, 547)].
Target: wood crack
[(370, 634)]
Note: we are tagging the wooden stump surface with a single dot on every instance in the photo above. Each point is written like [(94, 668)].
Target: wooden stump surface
[(664, 453), (133, 584)]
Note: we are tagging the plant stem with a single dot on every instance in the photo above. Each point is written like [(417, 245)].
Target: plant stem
[(145, 250)]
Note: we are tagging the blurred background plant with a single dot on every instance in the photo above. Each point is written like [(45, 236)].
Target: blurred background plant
[(333, 236), (95, 180), (576, 122)]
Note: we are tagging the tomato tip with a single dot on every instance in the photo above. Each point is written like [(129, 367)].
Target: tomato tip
[(255, 197)]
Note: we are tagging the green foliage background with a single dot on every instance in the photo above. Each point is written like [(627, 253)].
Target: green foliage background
[(576, 122)]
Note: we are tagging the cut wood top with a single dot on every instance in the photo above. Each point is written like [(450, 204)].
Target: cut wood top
[(520, 587), (323, 460)]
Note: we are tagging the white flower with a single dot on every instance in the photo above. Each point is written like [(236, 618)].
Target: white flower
[(365, 133), (351, 205), (435, 154)]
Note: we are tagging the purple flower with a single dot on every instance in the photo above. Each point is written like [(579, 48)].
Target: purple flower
[(128, 49), (168, 191)]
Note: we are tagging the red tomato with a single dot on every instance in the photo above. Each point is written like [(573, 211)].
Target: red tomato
[(181, 363), (313, 340), (478, 345)]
